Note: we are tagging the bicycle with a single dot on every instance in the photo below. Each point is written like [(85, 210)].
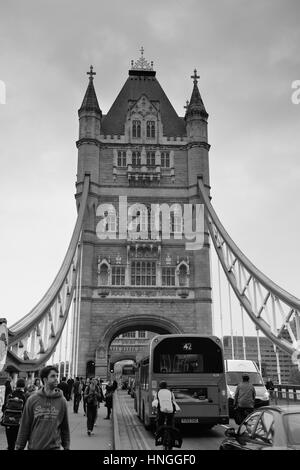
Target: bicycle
[(168, 436)]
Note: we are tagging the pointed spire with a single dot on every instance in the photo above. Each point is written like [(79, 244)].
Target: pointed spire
[(90, 102), (196, 105)]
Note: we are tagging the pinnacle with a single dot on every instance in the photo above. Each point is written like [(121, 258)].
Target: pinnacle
[(196, 105), (90, 102)]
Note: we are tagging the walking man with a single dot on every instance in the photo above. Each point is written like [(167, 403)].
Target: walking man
[(64, 387), (244, 399), (77, 387), (12, 431), (44, 423)]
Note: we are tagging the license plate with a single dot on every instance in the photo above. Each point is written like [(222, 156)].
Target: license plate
[(189, 420)]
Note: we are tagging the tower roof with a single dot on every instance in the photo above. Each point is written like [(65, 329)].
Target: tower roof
[(142, 81), (90, 102), (196, 105)]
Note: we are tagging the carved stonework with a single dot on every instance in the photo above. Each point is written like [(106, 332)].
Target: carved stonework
[(100, 353)]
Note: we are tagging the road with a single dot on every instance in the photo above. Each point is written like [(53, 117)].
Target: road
[(193, 438)]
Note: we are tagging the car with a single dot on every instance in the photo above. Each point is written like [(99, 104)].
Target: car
[(267, 428)]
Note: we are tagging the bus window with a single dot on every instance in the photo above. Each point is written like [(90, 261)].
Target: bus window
[(191, 357)]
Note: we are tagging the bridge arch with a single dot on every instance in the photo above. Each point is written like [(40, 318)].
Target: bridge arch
[(153, 323), (117, 357)]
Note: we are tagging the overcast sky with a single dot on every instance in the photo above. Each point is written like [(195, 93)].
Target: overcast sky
[(247, 55)]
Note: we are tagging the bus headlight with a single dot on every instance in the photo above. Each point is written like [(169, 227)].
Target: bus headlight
[(266, 396)]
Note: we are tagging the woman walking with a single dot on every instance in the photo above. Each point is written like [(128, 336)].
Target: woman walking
[(109, 399), (92, 397)]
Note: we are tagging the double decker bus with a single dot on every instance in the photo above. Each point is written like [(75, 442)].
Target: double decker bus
[(193, 367), (128, 375)]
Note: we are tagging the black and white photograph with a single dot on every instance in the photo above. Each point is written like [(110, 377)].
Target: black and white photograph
[(150, 227)]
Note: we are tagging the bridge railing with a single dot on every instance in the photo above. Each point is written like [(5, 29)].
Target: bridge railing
[(286, 392)]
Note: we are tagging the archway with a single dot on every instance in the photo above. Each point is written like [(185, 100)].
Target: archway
[(151, 323)]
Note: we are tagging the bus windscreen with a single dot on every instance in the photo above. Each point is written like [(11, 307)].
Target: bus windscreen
[(189, 355)]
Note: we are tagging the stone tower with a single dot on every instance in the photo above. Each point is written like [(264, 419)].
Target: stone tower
[(135, 278)]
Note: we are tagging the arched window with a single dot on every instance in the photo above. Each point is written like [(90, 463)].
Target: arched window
[(136, 129), (176, 220), (136, 158), (182, 275), (90, 369), (150, 158), (103, 275), (121, 158), (150, 129), (165, 160), (111, 221)]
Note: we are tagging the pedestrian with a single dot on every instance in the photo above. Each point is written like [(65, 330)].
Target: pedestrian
[(37, 383), (12, 400), (63, 387), (92, 396), (77, 389), (109, 399), (8, 389), (270, 386), (30, 389), (44, 423), (115, 385), (244, 399), (70, 383), (87, 383), (166, 406)]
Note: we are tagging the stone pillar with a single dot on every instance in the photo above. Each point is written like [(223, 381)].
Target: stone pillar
[(101, 363)]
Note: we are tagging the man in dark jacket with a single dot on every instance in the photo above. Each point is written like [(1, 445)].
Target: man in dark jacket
[(63, 386), (77, 388), (44, 424), (70, 383), (8, 389), (12, 431), (244, 398)]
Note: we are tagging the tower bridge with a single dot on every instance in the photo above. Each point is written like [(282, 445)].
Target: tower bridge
[(107, 286)]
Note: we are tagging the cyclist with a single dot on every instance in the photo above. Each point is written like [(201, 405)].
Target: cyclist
[(165, 406), (166, 434)]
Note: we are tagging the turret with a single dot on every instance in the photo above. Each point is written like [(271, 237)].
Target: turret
[(196, 115), (90, 116)]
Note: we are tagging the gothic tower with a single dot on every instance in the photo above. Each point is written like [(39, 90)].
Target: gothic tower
[(139, 272)]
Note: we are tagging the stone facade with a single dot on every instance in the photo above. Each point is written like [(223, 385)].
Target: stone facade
[(143, 151)]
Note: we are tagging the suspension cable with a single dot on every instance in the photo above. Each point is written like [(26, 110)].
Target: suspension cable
[(231, 325), (258, 349), (243, 333), (220, 302)]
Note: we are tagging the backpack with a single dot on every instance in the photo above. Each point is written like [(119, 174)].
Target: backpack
[(93, 397), (12, 412), (165, 401)]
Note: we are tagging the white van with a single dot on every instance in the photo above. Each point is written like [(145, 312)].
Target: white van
[(234, 370)]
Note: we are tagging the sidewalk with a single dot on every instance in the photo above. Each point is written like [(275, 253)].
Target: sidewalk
[(129, 431), (102, 439)]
